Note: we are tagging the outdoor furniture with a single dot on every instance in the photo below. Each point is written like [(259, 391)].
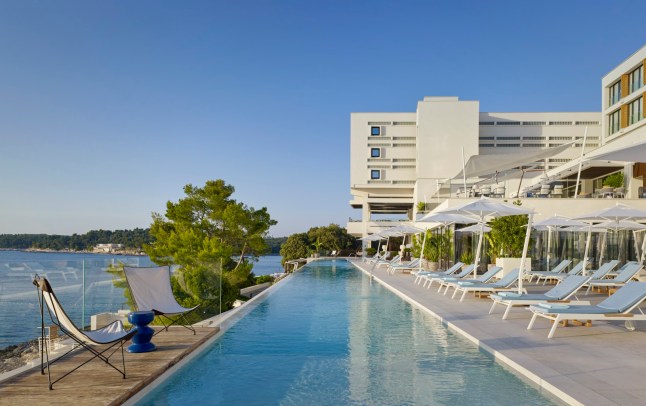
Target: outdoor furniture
[(559, 293), (606, 192), (151, 291), (503, 284), (421, 274), (114, 334), (577, 269), (484, 278), (414, 264), (620, 192), (619, 306), (141, 340), (620, 280), (485, 191), (545, 191), (556, 270), (499, 192), (557, 192), (464, 273)]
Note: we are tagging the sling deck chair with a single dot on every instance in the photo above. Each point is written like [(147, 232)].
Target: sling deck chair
[(112, 335), (151, 291)]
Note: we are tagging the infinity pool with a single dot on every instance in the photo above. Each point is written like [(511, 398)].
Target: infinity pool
[(331, 336)]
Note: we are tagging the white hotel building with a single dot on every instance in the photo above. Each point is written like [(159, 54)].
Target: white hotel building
[(401, 159)]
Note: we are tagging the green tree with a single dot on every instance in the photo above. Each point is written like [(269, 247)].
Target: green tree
[(296, 246), (201, 233)]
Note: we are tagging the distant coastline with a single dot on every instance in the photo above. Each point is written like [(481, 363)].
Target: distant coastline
[(128, 252)]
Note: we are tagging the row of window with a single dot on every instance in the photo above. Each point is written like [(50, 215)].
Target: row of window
[(635, 114), (539, 123), (635, 82)]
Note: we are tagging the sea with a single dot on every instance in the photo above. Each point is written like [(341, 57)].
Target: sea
[(81, 282)]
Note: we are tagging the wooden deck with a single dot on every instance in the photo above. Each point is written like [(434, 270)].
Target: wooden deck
[(97, 383)]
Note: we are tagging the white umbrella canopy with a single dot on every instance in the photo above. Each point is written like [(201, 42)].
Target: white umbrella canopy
[(614, 214), (476, 228), (485, 208), (446, 218), (621, 225), (371, 237)]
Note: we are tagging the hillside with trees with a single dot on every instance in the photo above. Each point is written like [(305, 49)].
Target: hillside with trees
[(131, 240), (320, 241)]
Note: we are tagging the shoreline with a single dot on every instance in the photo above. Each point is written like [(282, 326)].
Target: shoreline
[(134, 253)]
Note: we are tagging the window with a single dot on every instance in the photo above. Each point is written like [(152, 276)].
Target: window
[(375, 174), (635, 79), (614, 93), (375, 130), (635, 111), (613, 122), (375, 152)]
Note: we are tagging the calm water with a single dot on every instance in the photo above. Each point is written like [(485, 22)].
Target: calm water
[(330, 336), (19, 318)]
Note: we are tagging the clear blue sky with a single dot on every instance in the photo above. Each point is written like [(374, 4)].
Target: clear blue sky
[(108, 108)]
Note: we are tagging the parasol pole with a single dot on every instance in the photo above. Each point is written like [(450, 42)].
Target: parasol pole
[(603, 248), (480, 238), (641, 261), (521, 269), (578, 175), (587, 248), (464, 174)]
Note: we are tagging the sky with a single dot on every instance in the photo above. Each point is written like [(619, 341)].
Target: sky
[(108, 108)]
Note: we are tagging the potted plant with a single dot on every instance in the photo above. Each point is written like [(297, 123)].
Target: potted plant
[(371, 251), (421, 206), (506, 240), (614, 180)]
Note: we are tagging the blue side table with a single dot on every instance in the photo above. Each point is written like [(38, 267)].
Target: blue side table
[(141, 340)]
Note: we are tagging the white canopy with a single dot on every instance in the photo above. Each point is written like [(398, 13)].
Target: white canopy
[(476, 228), (481, 165), (633, 152), (615, 213)]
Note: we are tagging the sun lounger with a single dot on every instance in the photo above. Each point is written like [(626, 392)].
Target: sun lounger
[(484, 278), (619, 306), (419, 276), (620, 280), (414, 264), (395, 260), (463, 274), (559, 293), (576, 270), (504, 284), (556, 270)]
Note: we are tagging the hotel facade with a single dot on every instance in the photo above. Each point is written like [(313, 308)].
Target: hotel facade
[(404, 164)]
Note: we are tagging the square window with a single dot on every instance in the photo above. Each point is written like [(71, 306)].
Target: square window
[(375, 152), (375, 130), (375, 174)]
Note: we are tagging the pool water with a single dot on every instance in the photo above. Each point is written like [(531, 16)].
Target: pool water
[(331, 336)]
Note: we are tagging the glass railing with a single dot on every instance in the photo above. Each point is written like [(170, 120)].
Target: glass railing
[(85, 287)]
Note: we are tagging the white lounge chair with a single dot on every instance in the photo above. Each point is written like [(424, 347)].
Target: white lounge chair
[(484, 278), (114, 334), (414, 264), (559, 293), (504, 284), (619, 306), (556, 270), (620, 280), (576, 270), (420, 275), (468, 270), (152, 291)]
